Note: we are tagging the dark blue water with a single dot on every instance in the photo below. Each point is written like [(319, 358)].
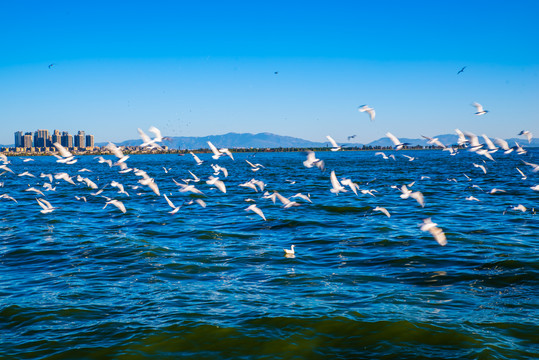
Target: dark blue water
[(83, 282)]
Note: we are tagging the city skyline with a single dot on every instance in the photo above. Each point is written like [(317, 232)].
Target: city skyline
[(298, 69), (41, 139)]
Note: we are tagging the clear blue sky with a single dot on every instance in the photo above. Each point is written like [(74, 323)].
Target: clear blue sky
[(196, 68)]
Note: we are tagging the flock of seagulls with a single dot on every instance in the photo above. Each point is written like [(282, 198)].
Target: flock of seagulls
[(216, 180)]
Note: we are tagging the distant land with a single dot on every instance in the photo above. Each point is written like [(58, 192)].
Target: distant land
[(268, 140)]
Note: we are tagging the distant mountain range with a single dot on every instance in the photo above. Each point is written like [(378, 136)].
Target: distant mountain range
[(230, 140), (268, 140)]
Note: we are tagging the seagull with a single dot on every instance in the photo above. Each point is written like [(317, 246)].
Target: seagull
[(519, 149), (286, 203), (35, 190), (352, 185), (195, 178), (504, 145), (410, 158), (462, 139), (473, 140), (218, 153), (494, 190), (436, 232), (351, 137), (89, 183), (381, 153), (536, 187), (485, 153), (479, 108), (64, 176), (333, 143), (524, 177), (396, 141), (147, 141), (174, 207), (481, 167), (116, 203), (217, 183), (217, 169), (519, 207), (417, 195), (290, 252), (26, 173), (256, 210), (45, 205), (187, 188), (51, 65), (528, 135), (6, 196), (489, 143), (119, 186), (249, 184), (80, 198), (117, 152), (304, 197), (151, 184), (65, 156), (434, 141), (382, 209), (313, 161), (369, 110), (254, 167), (472, 198), (101, 159), (461, 70), (198, 161), (48, 187), (253, 183), (336, 185), (28, 159)]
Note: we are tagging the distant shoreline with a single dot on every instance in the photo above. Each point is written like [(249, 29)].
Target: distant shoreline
[(141, 151)]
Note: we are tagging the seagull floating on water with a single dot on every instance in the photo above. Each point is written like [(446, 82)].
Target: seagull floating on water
[(289, 252)]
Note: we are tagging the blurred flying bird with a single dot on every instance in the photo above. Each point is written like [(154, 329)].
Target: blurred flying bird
[(333, 143), (479, 108), (528, 135), (369, 110)]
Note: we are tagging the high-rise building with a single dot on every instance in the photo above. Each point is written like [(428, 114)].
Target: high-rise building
[(56, 137), (79, 139), (90, 141), (67, 140), (19, 139), (27, 140), (41, 138)]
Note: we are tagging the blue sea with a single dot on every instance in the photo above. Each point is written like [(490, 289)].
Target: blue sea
[(213, 282)]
